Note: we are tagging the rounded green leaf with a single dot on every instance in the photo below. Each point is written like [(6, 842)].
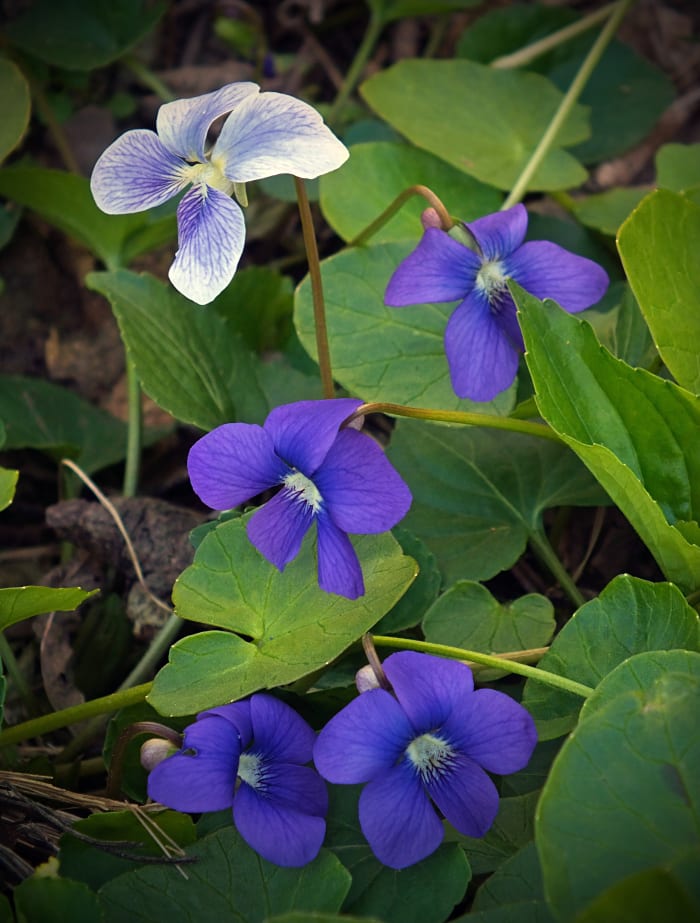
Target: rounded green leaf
[(409, 610), (381, 353), (629, 617), (605, 211), (23, 602), (665, 231), (8, 483), (385, 169), (40, 900), (227, 882), (678, 167), (279, 626), (485, 122), (16, 106), (637, 433), (623, 795), (83, 34), (479, 494)]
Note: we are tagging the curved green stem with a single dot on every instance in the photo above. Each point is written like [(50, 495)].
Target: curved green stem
[(567, 103), (146, 76), (462, 417), (322, 348), (544, 551), (499, 663), (134, 431), (446, 219), (362, 56), (67, 716)]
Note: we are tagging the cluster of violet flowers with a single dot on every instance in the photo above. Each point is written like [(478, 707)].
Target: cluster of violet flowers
[(428, 744), (425, 745)]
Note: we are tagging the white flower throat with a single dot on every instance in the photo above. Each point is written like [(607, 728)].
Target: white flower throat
[(492, 280), (429, 754), (305, 490)]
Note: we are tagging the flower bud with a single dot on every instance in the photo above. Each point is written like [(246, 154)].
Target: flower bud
[(154, 751)]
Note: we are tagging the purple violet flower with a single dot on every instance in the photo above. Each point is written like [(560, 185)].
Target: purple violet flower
[(251, 756), (434, 739), (266, 134), (338, 478), (483, 339)]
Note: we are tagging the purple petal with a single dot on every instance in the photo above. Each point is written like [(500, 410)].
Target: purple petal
[(183, 124), (500, 234), (278, 528), (233, 463), (361, 490), (483, 361), (136, 172), (291, 786), (547, 270), (211, 233), (363, 740), (273, 133), (303, 432), (205, 781), (397, 818), (339, 569), (466, 796), (280, 733), (281, 835), (428, 688), (439, 269), (238, 714), (493, 730)]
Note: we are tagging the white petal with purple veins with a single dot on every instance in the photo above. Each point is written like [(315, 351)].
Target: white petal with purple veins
[(211, 234), (273, 133), (182, 125), (136, 172)]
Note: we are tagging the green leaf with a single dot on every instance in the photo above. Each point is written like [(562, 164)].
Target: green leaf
[(623, 330), (43, 900), (84, 862), (485, 122), (83, 34), (228, 882), (503, 30), (306, 917), (381, 353), (65, 201), (258, 304), (665, 231), (479, 495), (518, 880), (16, 106), (629, 617), (186, 357), (512, 829), (293, 625), (409, 610), (23, 602), (638, 434), (383, 170), (624, 793), (8, 484), (41, 415), (424, 893), (605, 211), (678, 167), (388, 10), (468, 616), (652, 896), (626, 96)]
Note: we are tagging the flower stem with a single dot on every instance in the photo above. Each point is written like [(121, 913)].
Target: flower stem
[(148, 78), (446, 219), (488, 660), (67, 716), (134, 431), (544, 551), (531, 52), (322, 348), (462, 417), (362, 56), (567, 103)]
